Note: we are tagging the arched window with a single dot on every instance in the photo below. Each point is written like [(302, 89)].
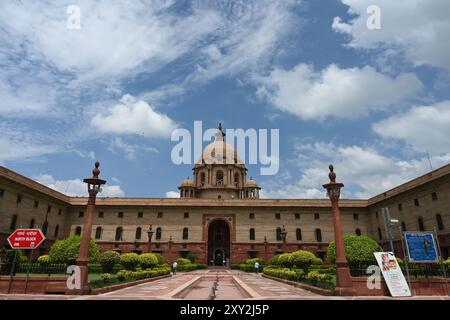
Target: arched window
[(403, 226), (13, 224), (44, 228), (185, 234), (78, 231), (119, 231), (421, 224), (298, 233), (278, 234), (32, 223), (56, 231), (236, 179), (98, 233), (138, 233), (380, 235), (318, 235), (158, 233), (358, 232), (252, 234), (202, 178), (219, 178), (440, 222)]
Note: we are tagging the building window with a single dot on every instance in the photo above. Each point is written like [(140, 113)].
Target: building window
[(160, 215), (32, 223), (138, 233), (219, 197), (400, 207), (119, 232), (2, 193), (252, 234), (78, 231), (202, 178), (403, 226), (433, 196), (44, 228), (12, 225), (236, 179), (49, 209), (416, 202), (316, 216), (358, 232), (185, 234), (158, 233), (56, 231), (278, 234), (140, 214), (186, 215), (59, 212), (251, 216), (421, 224), (120, 214), (100, 214), (80, 214), (36, 203), (380, 235), (318, 235), (376, 214), (298, 233), (355, 216), (297, 216), (440, 222), (98, 233), (278, 216), (19, 199), (219, 178)]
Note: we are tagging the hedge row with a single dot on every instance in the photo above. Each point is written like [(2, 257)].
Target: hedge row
[(128, 275), (191, 266)]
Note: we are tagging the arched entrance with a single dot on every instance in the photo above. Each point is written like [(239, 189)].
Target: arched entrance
[(218, 243)]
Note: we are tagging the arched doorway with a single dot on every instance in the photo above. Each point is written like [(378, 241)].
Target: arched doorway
[(218, 243)]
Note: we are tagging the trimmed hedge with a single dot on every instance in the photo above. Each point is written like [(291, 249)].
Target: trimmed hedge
[(148, 260), (129, 261), (182, 261), (253, 261), (358, 249), (191, 266), (108, 260), (128, 275), (67, 250)]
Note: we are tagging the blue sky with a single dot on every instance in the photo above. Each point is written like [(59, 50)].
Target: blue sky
[(373, 102)]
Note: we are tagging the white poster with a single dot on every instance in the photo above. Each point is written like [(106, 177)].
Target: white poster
[(392, 274)]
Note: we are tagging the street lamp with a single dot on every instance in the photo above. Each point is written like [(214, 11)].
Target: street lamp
[(150, 235), (389, 223), (94, 187), (344, 284)]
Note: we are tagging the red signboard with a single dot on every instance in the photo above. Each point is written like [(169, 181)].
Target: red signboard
[(26, 238)]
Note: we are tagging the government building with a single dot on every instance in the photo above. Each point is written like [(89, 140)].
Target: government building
[(219, 216)]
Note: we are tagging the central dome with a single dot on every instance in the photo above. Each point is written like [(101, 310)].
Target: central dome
[(215, 151)]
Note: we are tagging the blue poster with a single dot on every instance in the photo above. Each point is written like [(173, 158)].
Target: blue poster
[(421, 247)]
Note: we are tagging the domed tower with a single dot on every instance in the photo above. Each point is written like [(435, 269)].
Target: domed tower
[(219, 174)]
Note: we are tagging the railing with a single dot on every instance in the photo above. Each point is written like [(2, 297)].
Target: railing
[(416, 270), (34, 267)]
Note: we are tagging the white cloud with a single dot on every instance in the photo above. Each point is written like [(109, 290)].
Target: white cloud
[(424, 128), (172, 194), (417, 28), (76, 187), (128, 149), (335, 92), (132, 116), (20, 150), (364, 171)]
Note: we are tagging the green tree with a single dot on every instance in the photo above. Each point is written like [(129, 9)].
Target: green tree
[(302, 259), (108, 260), (358, 249), (148, 260), (67, 250), (129, 261)]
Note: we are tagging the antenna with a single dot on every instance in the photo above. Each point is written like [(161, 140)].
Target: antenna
[(429, 161)]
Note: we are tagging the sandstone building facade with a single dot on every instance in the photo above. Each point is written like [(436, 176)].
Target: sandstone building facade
[(219, 215)]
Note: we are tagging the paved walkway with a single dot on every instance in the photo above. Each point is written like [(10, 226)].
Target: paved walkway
[(196, 285)]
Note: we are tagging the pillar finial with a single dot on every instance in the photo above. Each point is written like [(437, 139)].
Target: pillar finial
[(332, 174)]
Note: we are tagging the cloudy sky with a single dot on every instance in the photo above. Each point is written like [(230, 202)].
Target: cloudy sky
[(375, 102)]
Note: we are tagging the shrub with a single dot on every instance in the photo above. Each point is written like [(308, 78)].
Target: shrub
[(191, 256), (358, 249), (44, 259), (302, 259), (254, 260), (275, 260), (67, 250), (317, 261), (284, 260), (160, 258), (318, 277), (148, 260), (105, 277), (108, 260), (182, 261), (445, 262), (129, 261)]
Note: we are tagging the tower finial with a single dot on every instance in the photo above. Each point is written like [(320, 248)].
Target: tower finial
[(332, 174), (96, 170)]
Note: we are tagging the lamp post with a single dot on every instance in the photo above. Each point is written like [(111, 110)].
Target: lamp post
[(94, 184), (150, 235), (265, 249), (344, 284), (283, 234)]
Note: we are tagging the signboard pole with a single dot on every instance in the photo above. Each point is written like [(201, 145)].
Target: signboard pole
[(440, 262), (28, 270), (406, 257), (12, 271)]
